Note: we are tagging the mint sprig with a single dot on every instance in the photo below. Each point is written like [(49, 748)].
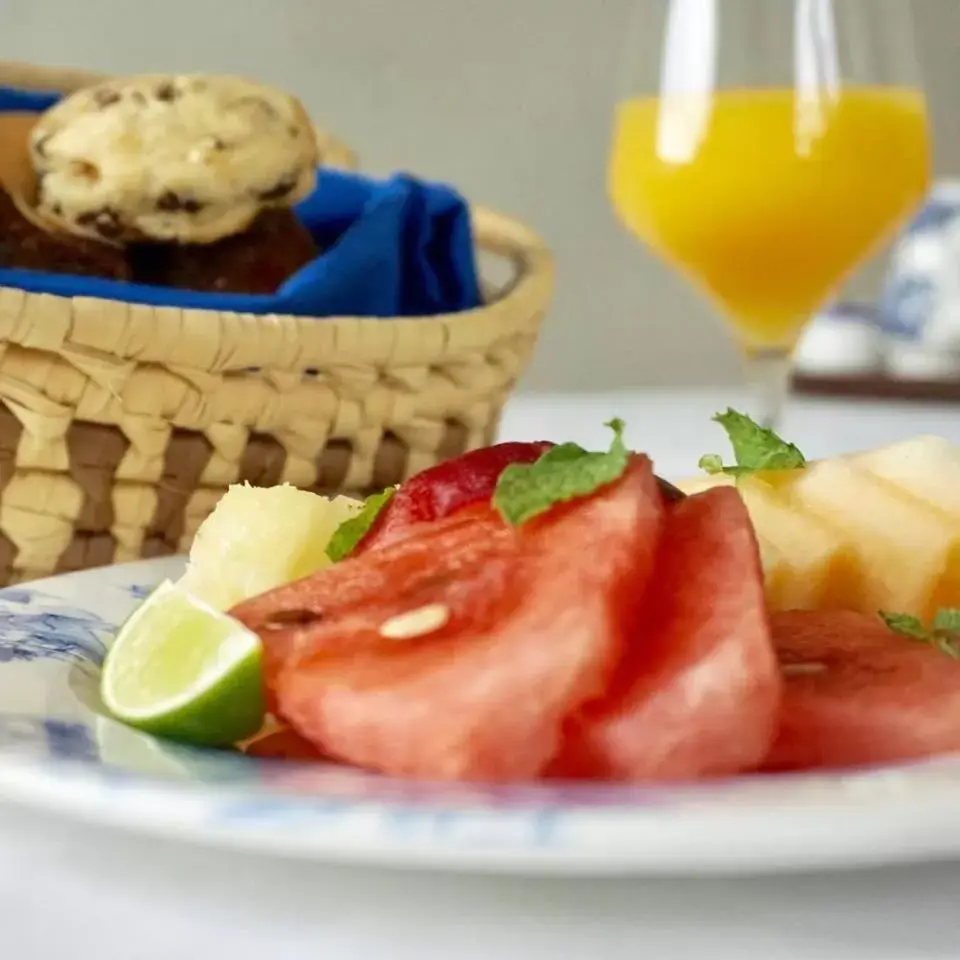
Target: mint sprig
[(943, 633), (754, 448), (563, 473), (346, 537)]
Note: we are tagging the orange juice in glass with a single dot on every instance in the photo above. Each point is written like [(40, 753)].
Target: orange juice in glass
[(767, 197)]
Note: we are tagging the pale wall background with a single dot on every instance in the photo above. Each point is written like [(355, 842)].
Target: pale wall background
[(508, 99)]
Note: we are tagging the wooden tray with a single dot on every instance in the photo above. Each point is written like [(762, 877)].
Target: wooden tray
[(877, 387)]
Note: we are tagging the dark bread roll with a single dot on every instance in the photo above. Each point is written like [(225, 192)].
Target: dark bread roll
[(257, 261), (26, 246)]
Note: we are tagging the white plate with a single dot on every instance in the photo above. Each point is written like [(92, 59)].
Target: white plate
[(58, 750)]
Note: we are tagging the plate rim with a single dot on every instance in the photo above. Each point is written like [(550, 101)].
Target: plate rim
[(819, 822)]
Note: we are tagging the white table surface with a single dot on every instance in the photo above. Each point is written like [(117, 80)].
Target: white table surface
[(675, 428), (80, 893)]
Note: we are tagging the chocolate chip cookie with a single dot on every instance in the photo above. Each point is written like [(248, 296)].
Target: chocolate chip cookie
[(187, 159)]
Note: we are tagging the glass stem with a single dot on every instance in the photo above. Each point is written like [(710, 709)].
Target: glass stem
[(768, 372)]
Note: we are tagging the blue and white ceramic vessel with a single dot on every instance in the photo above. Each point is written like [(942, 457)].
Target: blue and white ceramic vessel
[(920, 303), (59, 751)]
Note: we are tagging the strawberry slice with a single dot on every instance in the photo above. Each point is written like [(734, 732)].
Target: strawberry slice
[(440, 491)]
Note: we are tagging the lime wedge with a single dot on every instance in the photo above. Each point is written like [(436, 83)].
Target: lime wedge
[(183, 670)]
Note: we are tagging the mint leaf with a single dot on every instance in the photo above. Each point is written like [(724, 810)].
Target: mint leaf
[(946, 631), (711, 463), (944, 634), (947, 620), (563, 452), (525, 490), (906, 625), (352, 531), (754, 448), (949, 645)]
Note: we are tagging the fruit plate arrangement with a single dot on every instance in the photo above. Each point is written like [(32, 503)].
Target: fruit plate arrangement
[(533, 659)]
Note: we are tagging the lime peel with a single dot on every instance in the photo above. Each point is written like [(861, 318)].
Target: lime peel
[(179, 668)]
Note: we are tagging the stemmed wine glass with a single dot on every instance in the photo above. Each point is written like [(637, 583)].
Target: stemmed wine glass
[(765, 149)]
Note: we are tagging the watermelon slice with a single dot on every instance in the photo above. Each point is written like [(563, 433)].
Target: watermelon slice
[(457, 652), (698, 690), (857, 694), (284, 616)]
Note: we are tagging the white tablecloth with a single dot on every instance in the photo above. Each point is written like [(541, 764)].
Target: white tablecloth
[(77, 893), (675, 428)]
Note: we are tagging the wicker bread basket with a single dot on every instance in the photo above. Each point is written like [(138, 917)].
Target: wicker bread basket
[(121, 425)]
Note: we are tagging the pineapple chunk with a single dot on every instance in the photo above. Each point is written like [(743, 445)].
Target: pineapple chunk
[(805, 560), (908, 551), (926, 467), (818, 566), (258, 538), (705, 482)]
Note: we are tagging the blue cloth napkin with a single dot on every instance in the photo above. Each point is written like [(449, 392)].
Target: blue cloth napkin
[(395, 247)]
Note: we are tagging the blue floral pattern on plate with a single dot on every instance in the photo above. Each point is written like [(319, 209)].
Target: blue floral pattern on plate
[(35, 625), (58, 749)]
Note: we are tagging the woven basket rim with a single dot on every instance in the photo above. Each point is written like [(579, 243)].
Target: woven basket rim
[(529, 293)]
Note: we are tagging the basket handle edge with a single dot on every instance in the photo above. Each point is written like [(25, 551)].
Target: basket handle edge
[(507, 237)]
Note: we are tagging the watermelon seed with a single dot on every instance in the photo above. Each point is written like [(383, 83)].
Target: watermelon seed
[(802, 669), (283, 619), (415, 623)]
